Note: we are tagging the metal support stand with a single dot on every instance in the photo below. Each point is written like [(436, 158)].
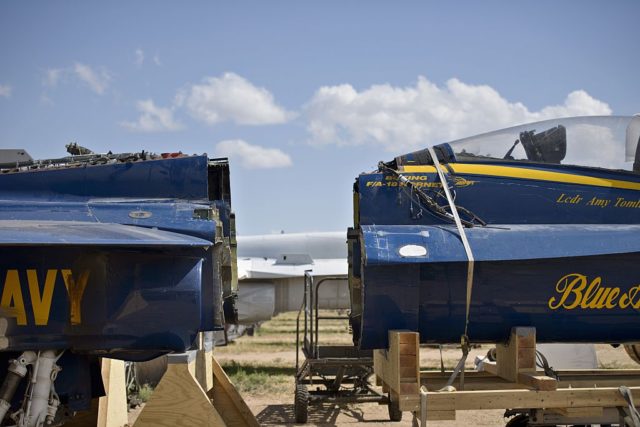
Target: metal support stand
[(342, 370)]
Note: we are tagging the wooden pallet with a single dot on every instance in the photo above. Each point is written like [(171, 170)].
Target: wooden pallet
[(512, 382)]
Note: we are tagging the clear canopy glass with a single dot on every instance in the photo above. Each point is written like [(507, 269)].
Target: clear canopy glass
[(594, 141)]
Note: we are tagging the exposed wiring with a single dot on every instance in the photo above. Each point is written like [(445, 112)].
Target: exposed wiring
[(542, 362), (430, 203)]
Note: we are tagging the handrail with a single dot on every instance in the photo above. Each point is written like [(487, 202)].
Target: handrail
[(326, 279), (309, 289), (310, 305), (298, 332), (307, 279)]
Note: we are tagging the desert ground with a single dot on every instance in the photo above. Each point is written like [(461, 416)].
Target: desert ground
[(262, 368)]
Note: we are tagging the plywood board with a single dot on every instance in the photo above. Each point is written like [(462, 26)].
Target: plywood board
[(228, 401), (112, 408), (179, 401)]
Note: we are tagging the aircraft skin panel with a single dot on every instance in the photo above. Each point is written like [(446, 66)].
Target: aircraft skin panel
[(179, 178), (383, 244), (69, 233), (573, 283), (499, 200), (539, 174), (101, 298)]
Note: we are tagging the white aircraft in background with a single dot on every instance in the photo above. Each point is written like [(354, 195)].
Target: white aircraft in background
[(271, 271)]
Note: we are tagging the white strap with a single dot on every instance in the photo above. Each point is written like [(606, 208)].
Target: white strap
[(461, 231)]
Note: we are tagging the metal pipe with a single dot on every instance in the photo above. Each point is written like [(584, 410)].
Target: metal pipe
[(15, 373), (304, 307), (311, 318), (42, 382), (326, 279)]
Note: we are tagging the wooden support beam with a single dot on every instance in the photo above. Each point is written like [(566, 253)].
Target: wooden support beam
[(518, 355), (473, 380), (516, 361), (179, 400), (501, 399), (441, 415), (204, 358), (538, 382), (569, 378), (228, 401), (607, 416), (399, 367), (112, 408), (527, 379)]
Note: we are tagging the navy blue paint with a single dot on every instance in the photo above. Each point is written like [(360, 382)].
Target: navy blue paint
[(515, 275), (142, 299), (179, 178), (167, 191), (500, 200)]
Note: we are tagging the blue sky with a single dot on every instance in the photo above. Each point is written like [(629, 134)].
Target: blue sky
[(303, 96)]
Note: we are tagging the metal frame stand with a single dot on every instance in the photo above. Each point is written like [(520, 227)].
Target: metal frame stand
[(341, 373)]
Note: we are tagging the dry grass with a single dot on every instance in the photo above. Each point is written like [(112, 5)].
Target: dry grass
[(264, 365), (258, 379)]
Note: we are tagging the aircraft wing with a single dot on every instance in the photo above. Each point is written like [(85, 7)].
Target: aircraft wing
[(269, 268)]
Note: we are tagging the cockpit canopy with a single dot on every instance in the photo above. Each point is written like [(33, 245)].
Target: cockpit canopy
[(594, 141)]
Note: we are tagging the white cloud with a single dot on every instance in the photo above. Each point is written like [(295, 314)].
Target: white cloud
[(404, 118), (139, 57), (45, 100), (52, 76), (577, 103), (156, 60), (97, 80), (253, 156), (5, 91), (231, 98), (153, 119)]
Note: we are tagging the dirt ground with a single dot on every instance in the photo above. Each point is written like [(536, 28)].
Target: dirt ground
[(262, 368), (281, 414)]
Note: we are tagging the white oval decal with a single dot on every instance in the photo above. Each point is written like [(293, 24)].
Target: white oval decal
[(412, 251), (140, 214)]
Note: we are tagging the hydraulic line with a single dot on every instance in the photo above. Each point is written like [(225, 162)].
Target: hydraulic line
[(15, 373)]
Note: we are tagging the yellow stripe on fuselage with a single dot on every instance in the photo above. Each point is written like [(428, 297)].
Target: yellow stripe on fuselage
[(525, 173)]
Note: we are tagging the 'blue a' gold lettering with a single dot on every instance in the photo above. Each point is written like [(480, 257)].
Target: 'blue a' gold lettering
[(577, 291)]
